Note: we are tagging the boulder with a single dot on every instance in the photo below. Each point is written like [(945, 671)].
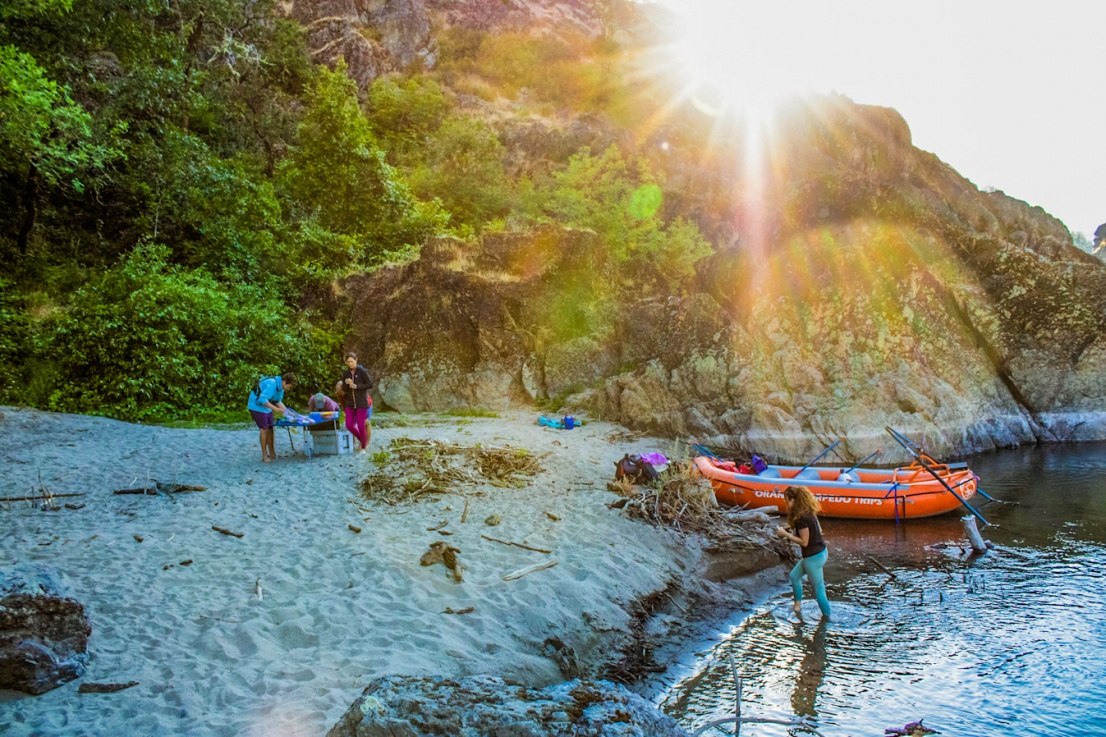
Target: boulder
[(520, 15), (411, 706), (374, 37), (43, 631)]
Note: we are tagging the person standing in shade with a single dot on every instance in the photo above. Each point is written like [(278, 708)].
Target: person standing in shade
[(265, 399), (802, 516), (359, 405)]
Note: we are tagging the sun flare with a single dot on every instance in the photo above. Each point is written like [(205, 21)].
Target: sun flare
[(743, 58)]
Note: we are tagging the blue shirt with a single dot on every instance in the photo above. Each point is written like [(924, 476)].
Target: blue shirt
[(271, 390)]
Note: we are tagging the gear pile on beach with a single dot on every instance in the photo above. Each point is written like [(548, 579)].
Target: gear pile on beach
[(684, 500), (412, 470)]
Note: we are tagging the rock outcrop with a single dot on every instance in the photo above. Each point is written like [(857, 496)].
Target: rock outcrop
[(868, 284), (398, 706), (857, 282), (485, 15), (43, 631), (373, 36), (380, 36)]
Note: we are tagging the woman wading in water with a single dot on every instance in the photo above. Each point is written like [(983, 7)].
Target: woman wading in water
[(802, 516)]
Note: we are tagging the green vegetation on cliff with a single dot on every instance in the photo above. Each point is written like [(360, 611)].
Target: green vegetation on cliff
[(176, 177)]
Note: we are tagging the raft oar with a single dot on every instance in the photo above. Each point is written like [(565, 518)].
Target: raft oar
[(818, 457), (865, 459), (704, 450), (925, 464), (985, 495), (902, 438)]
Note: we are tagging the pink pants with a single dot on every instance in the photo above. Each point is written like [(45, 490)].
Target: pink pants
[(355, 423)]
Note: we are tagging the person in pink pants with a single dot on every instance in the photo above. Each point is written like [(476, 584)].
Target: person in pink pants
[(359, 405)]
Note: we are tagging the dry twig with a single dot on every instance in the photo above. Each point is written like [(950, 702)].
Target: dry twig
[(418, 468), (684, 500), (517, 545)]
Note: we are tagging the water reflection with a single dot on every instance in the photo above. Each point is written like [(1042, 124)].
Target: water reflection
[(1014, 640), (812, 671)]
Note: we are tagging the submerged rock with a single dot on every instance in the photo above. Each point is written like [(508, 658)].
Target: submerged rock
[(412, 706), (43, 631)]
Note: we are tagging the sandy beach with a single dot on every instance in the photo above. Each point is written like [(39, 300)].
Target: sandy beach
[(277, 631)]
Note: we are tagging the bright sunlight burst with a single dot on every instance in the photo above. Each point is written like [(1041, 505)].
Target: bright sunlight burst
[(746, 57)]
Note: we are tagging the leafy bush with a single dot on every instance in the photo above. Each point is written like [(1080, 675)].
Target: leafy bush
[(14, 342), (463, 169), (338, 175), (403, 113), (563, 71), (150, 340), (622, 201)]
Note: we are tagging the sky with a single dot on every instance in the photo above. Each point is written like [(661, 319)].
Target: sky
[(1010, 94)]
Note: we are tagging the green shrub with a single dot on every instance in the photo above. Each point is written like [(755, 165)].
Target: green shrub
[(402, 112), (463, 170), (149, 340), (621, 200), (337, 175), (14, 343)]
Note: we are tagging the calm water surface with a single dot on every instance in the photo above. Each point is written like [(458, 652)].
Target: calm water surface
[(1009, 643)]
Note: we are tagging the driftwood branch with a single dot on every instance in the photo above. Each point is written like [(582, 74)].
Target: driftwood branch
[(162, 488), (517, 545), (466, 610), (34, 498), (522, 572), (228, 532), (105, 687)]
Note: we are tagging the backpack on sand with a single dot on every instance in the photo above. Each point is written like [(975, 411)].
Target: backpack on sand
[(635, 470)]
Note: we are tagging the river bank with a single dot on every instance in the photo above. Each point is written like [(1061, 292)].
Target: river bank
[(277, 631)]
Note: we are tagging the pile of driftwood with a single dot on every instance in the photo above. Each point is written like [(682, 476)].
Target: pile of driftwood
[(684, 500), (414, 469)]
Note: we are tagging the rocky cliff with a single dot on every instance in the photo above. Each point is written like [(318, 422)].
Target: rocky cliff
[(380, 36), (866, 284), (856, 281)]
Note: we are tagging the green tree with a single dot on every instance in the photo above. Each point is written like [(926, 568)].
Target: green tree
[(152, 340), (464, 170), (45, 137), (622, 201), (405, 112), (338, 175)]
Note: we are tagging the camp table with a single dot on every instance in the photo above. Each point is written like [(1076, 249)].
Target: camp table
[(310, 427)]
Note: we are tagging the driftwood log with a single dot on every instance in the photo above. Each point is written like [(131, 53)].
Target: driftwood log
[(36, 497), (228, 532), (159, 487), (105, 687), (978, 545)]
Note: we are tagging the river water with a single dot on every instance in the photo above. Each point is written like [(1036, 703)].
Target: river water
[(1008, 643)]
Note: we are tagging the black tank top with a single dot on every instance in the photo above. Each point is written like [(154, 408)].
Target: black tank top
[(815, 543)]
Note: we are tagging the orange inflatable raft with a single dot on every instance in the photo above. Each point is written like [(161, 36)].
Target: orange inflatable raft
[(864, 493)]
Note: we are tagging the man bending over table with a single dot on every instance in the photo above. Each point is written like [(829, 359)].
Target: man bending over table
[(265, 399)]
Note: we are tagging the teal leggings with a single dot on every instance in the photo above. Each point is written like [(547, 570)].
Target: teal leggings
[(812, 567)]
